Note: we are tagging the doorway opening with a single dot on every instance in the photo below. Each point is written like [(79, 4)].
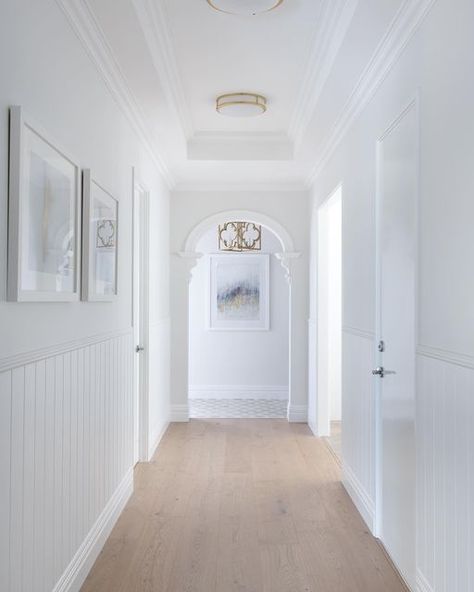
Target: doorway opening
[(239, 331), (329, 324), (140, 320)]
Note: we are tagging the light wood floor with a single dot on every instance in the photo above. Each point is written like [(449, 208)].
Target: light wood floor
[(241, 506)]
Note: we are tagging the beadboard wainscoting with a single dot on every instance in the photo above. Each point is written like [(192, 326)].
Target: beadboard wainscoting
[(445, 440), (358, 420), (66, 452)]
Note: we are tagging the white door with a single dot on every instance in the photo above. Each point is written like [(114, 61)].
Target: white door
[(140, 322), (396, 328)]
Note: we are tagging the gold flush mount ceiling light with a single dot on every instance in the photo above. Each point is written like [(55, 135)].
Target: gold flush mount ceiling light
[(244, 7), (241, 104)]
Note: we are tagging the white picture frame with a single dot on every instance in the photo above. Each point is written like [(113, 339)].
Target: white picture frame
[(239, 292), (100, 241), (44, 216)]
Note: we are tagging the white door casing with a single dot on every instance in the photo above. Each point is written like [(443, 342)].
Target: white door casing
[(397, 195), (140, 316)]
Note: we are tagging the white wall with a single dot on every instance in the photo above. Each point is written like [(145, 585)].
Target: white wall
[(65, 369), (238, 364), (435, 63), (290, 210)]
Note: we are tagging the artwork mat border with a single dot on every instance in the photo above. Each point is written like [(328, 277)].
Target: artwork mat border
[(238, 325), (87, 293), (18, 121)]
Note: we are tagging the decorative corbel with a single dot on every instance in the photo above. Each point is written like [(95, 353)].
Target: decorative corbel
[(286, 259)]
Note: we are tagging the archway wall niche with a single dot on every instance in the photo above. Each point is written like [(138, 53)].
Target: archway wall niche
[(285, 215)]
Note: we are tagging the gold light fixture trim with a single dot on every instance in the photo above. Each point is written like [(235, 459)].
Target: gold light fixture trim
[(241, 104), (247, 7), (240, 236)]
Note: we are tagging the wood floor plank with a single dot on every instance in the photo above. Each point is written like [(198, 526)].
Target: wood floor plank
[(241, 506)]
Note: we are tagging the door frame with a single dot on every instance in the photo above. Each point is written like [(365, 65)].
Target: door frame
[(413, 103), (140, 267), (323, 400)]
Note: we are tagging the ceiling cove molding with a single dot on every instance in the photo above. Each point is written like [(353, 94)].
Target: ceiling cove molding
[(334, 22), (230, 187), (404, 25), (85, 25), (153, 21)]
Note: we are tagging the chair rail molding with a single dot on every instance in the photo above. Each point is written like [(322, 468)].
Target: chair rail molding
[(444, 355), (29, 357), (365, 334), (83, 22), (404, 25)]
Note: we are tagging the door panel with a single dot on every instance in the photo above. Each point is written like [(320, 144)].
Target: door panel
[(398, 178)]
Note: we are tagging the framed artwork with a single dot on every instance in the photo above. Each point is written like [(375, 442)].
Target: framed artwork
[(239, 292), (44, 217), (100, 241)]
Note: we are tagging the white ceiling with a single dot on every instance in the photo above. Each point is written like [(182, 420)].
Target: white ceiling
[(176, 56)]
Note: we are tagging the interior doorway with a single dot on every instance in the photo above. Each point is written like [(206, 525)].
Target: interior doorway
[(397, 195), (239, 330), (329, 321), (140, 320)]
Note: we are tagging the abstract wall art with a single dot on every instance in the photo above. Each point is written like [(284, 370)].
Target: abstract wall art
[(44, 238), (239, 292)]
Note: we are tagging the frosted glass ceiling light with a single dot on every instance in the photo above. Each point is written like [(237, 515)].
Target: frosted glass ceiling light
[(244, 7), (241, 104)]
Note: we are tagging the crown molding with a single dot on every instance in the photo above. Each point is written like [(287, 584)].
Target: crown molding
[(404, 25), (87, 29), (335, 19), (229, 187), (153, 21)]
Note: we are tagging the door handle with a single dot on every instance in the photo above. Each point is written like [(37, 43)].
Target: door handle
[(139, 349), (380, 371)]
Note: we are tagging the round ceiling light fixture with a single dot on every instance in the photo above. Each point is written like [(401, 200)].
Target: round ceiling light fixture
[(241, 104), (244, 7)]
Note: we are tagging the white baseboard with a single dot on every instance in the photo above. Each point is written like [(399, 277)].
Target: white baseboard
[(153, 448), (267, 392), (82, 562), (422, 584), (298, 413), (179, 413), (359, 496), (313, 427)]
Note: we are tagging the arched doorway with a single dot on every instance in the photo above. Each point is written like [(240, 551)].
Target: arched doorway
[(185, 262)]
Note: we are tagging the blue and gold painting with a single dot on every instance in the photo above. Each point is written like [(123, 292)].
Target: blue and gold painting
[(238, 291)]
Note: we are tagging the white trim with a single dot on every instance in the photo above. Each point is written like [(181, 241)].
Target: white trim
[(153, 21), (228, 391), (199, 185), (22, 359), (370, 335), (333, 25), (179, 413), (422, 584), (362, 500), (444, 355), (404, 25), (297, 413), (87, 29), (250, 216), (154, 446), (82, 562)]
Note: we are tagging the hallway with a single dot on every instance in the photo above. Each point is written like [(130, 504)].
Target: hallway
[(241, 506)]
